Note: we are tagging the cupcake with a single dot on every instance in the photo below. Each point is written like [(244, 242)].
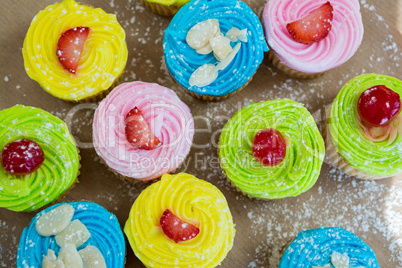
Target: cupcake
[(310, 37), (180, 221), (75, 52), (164, 7), (77, 234), (363, 136), (39, 158), (328, 247), (142, 131), (272, 149), (213, 48)]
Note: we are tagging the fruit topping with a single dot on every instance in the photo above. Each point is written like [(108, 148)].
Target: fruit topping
[(269, 147), (314, 27), (55, 221), (22, 157), (200, 34), (75, 233), (92, 257), (69, 47), (378, 105), (177, 229), (138, 132), (51, 261), (204, 75)]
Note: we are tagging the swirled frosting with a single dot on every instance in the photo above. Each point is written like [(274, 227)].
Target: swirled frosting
[(182, 60), (339, 46), (315, 247), (372, 157), (105, 231), (305, 150), (178, 3), (103, 58), (57, 173), (168, 117), (192, 200)]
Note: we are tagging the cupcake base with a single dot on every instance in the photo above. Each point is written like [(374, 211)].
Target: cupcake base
[(289, 71), (160, 9), (335, 159)]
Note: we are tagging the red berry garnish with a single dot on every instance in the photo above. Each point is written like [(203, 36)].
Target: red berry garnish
[(22, 157), (138, 132), (269, 147), (378, 105), (177, 229), (314, 27), (70, 46)]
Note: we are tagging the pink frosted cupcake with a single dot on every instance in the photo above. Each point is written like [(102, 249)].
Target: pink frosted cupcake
[(310, 37), (142, 131)]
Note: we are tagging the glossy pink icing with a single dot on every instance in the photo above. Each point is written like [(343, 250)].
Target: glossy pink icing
[(339, 46), (168, 117)]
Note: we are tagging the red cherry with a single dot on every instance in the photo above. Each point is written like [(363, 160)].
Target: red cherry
[(378, 105), (177, 229), (22, 157), (269, 147)]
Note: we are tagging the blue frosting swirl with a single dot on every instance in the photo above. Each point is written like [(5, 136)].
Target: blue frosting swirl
[(182, 60), (315, 247), (105, 231)]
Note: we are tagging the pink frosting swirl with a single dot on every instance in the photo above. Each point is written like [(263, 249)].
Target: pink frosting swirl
[(168, 117), (339, 46)]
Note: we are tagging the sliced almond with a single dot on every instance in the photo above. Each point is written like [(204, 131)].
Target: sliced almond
[(198, 36), (55, 221), (221, 47), (204, 75), (49, 260), (205, 50), (76, 233), (235, 34), (70, 257), (92, 257), (340, 260), (223, 64)]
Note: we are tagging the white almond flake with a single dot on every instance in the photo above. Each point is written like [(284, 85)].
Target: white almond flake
[(200, 34), (70, 257), (76, 233), (221, 47), (92, 257), (205, 50), (235, 34), (223, 64), (204, 75), (55, 221)]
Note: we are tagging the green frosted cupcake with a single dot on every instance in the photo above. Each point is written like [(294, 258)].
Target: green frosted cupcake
[(272, 149), (39, 158), (364, 126)]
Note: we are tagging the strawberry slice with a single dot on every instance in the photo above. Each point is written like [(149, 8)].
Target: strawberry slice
[(314, 27), (177, 229), (70, 46), (138, 132)]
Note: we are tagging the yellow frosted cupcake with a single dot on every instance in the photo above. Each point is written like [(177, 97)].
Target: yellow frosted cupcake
[(75, 52), (180, 221), (164, 7)]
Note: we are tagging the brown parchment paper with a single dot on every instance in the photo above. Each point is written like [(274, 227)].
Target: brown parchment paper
[(372, 210)]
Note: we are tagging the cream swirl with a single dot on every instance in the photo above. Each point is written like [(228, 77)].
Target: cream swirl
[(339, 46), (168, 117)]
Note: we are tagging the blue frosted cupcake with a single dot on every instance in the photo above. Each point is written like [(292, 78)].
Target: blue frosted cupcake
[(81, 233), (329, 247), (213, 48)]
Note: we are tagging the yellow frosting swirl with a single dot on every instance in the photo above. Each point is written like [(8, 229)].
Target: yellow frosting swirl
[(192, 200), (102, 61), (178, 3)]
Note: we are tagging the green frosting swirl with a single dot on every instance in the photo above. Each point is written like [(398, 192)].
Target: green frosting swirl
[(57, 173), (305, 150), (375, 158)]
